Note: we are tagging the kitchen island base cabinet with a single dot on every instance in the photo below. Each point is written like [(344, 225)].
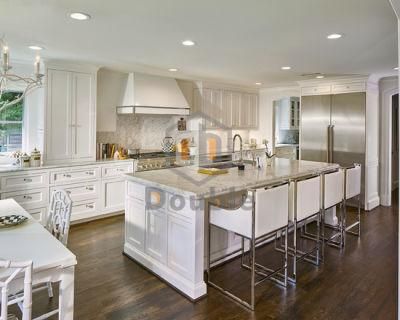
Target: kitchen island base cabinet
[(169, 243)]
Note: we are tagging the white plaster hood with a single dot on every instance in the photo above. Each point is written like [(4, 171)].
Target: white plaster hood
[(148, 94)]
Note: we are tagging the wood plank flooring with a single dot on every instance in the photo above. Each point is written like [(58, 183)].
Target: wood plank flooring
[(359, 282)]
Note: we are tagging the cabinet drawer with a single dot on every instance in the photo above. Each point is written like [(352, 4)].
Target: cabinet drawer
[(137, 191), (81, 191), (35, 198), (348, 87), (309, 91), (85, 209), (74, 175), (180, 205), (25, 181), (116, 170), (39, 214)]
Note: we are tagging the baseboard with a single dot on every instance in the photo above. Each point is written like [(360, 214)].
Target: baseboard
[(372, 203)]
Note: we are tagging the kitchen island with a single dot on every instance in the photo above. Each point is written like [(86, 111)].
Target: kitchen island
[(165, 216)]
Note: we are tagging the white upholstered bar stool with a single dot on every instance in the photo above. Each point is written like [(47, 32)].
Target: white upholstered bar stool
[(331, 196), (262, 212), (7, 299), (352, 189), (305, 203)]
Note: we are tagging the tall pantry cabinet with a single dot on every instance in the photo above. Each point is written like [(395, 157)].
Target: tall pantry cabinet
[(70, 133)]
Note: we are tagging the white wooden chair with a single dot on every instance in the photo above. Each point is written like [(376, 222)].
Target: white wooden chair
[(25, 299), (262, 213), (58, 222)]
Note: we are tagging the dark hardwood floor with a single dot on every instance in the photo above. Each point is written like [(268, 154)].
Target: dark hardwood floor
[(359, 282)]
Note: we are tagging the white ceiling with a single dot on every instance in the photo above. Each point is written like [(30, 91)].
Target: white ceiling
[(238, 41)]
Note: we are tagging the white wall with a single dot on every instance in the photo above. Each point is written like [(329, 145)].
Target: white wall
[(266, 121)]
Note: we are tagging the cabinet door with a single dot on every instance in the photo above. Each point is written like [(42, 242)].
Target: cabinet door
[(235, 105), (135, 225), (58, 115), (113, 195), (245, 110), (180, 246), (83, 133), (156, 234), (253, 111), (284, 114), (226, 114), (212, 107)]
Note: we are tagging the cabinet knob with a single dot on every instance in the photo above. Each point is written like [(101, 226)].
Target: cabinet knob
[(67, 191), (90, 206), (89, 188), (28, 197), (27, 180)]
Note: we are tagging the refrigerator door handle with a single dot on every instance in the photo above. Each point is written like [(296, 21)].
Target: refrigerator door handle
[(328, 143), (331, 142)]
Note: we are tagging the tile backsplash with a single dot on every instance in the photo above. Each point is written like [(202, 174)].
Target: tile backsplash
[(139, 131)]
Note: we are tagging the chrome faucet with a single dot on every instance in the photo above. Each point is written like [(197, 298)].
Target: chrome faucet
[(241, 146)]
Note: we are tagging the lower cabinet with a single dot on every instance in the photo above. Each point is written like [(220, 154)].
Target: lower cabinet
[(113, 195), (156, 234), (84, 209), (39, 214), (135, 222), (180, 255)]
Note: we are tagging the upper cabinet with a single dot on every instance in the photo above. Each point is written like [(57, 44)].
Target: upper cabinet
[(221, 108), (70, 133), (288, 110), (337, 87)]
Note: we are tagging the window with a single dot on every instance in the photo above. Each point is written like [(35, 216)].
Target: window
[(11, 123)]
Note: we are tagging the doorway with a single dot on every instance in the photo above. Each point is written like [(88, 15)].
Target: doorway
[(395, 141)]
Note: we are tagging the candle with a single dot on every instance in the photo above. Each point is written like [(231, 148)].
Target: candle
[(5, 58), (37, 66)]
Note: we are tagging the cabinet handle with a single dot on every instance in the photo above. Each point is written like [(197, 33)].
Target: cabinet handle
[(120, 169), (27, 180), (67, 175), (90, 206), (90, 188), (90, 173), (28, 197), (67, 191)]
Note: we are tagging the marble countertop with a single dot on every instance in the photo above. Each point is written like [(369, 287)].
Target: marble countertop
[(188, 182), (13, 168), (286, 145)]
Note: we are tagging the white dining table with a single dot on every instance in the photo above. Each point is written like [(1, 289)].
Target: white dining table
[(52, 261)]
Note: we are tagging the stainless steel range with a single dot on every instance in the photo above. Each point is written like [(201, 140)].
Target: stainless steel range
[(152, 160)]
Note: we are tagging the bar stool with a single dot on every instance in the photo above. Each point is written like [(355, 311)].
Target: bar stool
[(267, 213), (331, 195), (352, 189), (305, 203)]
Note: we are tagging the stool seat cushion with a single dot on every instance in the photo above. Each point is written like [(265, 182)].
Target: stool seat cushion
[(271, 213)]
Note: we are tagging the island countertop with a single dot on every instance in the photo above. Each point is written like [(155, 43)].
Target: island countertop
[(187, 182)]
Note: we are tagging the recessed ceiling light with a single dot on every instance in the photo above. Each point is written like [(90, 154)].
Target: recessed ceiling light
[(37, 48), (258, 83), (396, 68), (334, 36), (79, 16), (188, 43), (320, 76), (286, 68), (173, 69)]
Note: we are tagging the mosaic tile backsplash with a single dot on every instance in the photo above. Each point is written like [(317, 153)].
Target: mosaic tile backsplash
[(139, 131)]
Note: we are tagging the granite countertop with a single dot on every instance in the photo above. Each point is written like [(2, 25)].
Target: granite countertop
[(14, 168), (187, 182)]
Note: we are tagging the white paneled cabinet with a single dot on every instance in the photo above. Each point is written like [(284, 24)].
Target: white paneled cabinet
[(222, 108), (289, 113), (70, 133), (156, 234), (135, 225), (113, 195)]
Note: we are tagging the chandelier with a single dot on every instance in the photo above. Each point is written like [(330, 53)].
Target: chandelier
[(6, 77)]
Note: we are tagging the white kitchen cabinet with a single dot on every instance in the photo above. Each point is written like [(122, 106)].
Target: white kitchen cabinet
[(80, 191), (70, 116), (156, 234), (180, 257), (221, 108), (113, 195), (39, 214), (135, 225), (289, 113)]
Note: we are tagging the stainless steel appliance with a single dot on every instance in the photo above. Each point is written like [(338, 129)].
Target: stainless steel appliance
[(153, 160), (333, 128)]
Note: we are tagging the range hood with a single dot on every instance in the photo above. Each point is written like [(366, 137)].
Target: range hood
[(148, 94)]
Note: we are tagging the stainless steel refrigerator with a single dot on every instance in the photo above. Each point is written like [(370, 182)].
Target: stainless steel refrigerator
[(333, 129)]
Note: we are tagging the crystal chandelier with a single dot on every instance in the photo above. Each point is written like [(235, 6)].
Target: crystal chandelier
[(26, 83)]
